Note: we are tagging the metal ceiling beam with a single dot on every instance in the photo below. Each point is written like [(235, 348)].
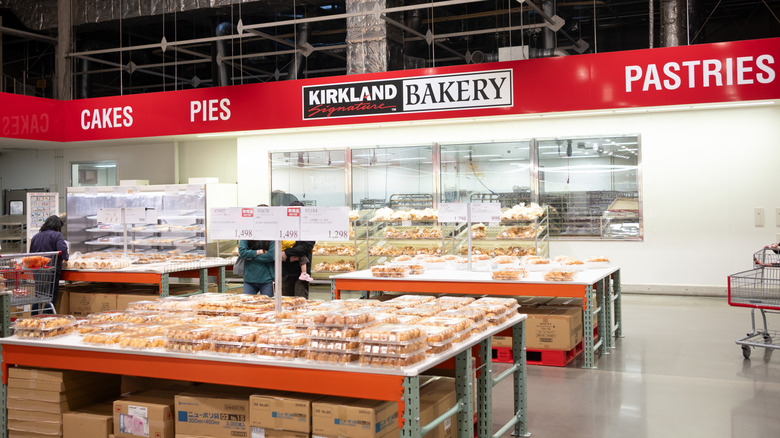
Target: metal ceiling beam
[(430, 40), (30, 35)]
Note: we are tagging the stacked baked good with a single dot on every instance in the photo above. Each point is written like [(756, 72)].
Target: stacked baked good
[(44, 327), (391, 345)]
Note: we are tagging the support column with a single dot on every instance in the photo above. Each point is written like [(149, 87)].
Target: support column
[(63, 89), (673, 23), (372, 44)]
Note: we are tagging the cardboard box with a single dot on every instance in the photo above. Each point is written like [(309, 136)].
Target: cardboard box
[(24, 434), (63, 302), (259, 432), (94, 421), (214, 412), (82, 304), (553, 328), (572, 302), (24, 415), (40, 427), (436, 397), (353, 418), (44, 374), (139, 384), (147, 414), (72, 382), (502, 341), (281, 411), (123, 299)]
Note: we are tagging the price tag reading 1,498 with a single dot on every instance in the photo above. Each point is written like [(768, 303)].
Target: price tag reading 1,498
[(243, 234), (288, 234), (338, 234)]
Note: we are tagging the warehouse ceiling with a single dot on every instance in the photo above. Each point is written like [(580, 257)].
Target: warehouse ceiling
[(135, 46)]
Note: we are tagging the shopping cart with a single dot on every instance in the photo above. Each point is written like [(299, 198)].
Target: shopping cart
[(758, 288), (29, 278)]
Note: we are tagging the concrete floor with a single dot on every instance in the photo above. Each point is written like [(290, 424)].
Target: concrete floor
[(676, 373)]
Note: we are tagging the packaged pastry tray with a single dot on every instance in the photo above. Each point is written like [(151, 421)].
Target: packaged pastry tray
[(421, 310), (107, 316), (390, 271), (240, 334), (397, 350), (399, 334), (280, 353), (331, 357), (337, 319), (144, 305), (88, 327), (317, 332), (404, 301), (239, 308), (293, 302), (390, 361), (176, 304), (408, 319), (472, 313), (265, 316), (457, 324), (141, 316), (44, 326), (509, 303), (282, 338), (226, 347), (496, 314), (138, 341), (331, 345), (148, 328), (509, 274), (448, 302), (416, 269), (189, 332), (439, 347), (437, 336), (187, 346), (107, 337), (559, 274)]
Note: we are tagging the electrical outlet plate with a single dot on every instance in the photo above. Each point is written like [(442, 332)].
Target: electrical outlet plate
[(759, 216), (777, 217)]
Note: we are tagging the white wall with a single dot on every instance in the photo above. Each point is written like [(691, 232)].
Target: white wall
[(702, 174), (212, 158), (155, 162)]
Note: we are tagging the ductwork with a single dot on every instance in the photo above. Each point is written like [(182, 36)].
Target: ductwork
[(42, 14), (222, 30), (297, 65), (673, 23)]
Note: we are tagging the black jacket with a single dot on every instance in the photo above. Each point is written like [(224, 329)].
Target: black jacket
[(50, 240), (300, 249)]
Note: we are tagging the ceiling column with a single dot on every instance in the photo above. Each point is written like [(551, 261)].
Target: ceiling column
[(372, 45), (63, 88)]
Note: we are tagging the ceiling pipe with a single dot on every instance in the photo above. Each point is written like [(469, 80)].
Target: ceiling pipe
[(430, 40), (223, 29), (303, 40), (28, 35)]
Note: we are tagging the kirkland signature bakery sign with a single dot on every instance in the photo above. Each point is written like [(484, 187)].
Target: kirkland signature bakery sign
[(486, 89)]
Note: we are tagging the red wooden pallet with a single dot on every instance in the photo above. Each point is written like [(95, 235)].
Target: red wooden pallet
[(553, 358)]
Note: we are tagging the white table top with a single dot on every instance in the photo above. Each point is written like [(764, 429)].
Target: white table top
[(73, 342), (584, 277)]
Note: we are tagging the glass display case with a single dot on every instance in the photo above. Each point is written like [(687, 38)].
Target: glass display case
[(181, 225), (402, 176), (523, 230), (316, 178)]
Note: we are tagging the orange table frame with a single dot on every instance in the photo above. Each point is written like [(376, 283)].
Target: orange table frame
[(160, 279), (607, 304)]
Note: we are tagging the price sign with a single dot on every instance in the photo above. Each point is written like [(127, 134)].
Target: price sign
[(109, 215), (232, 223), (486, 212), (277, 223), (453, 212), (325, 223), (136, 215)]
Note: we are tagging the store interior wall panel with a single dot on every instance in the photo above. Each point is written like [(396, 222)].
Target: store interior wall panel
[(135, 161), (211, 158)]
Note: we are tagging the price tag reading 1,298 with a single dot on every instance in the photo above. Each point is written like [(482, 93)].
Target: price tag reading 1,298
[(325, 223)]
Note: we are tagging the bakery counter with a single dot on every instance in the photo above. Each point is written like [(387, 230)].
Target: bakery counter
[(603, 283), (156, 273), (347, 380)]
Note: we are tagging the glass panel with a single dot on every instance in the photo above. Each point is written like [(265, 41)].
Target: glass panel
[(486, 172), (316, 178), (591, 185), (95, 173), (396, 177)]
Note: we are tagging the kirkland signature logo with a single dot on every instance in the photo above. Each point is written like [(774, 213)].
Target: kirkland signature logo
[(489, 89)]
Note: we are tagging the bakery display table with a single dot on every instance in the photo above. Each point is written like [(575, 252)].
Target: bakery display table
[(350, 380), (157, 273), (603, 283)]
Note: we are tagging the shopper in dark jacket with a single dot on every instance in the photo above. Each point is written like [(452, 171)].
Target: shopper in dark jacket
[(291, 269), (49, 238)]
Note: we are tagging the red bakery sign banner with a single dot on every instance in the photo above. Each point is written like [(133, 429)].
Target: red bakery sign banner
[(722, 72)]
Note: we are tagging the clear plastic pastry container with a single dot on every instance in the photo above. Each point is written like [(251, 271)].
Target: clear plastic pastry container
[(239, 333), (505, 261), (598, 262), (439, 347), (107, 316), (332, 332), (228, 347), (390, 361), (450, 302), (538, 264), (331, 357), (292, 303), (457, 324), (148, 328), (107, 337), (141, 316), (435, 262), (337, 319), (435, 336), (138, 341), (265, 316), (44, 326), (496, 314), (509, 303), (88, 327), (416, 269), (572, 264), (176, 304), (560, 275), (391, 333), (285, 353), (145, 305), (472, 313), (509, 274), (422, 310), (397, 349), (403, 301), (282, 338), (390, 271), (329, 345), (187, 346), (189, 332), (408, 319)]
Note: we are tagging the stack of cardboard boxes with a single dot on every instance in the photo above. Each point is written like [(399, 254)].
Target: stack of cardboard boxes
[(38, 398), (552, 324)]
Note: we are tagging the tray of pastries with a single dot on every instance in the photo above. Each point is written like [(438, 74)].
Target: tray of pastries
[(390, 361), (140, 341), (559, 275), (508, 274), (390, 271), (44, 326), (597, 262), (399, 334), (331, 357), (106, 337), (329, 345)]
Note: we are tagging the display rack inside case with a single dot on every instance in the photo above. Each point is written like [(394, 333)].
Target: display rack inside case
[(182, 217), (509, 237), (339, 256), (388, 239), (13, 232)]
